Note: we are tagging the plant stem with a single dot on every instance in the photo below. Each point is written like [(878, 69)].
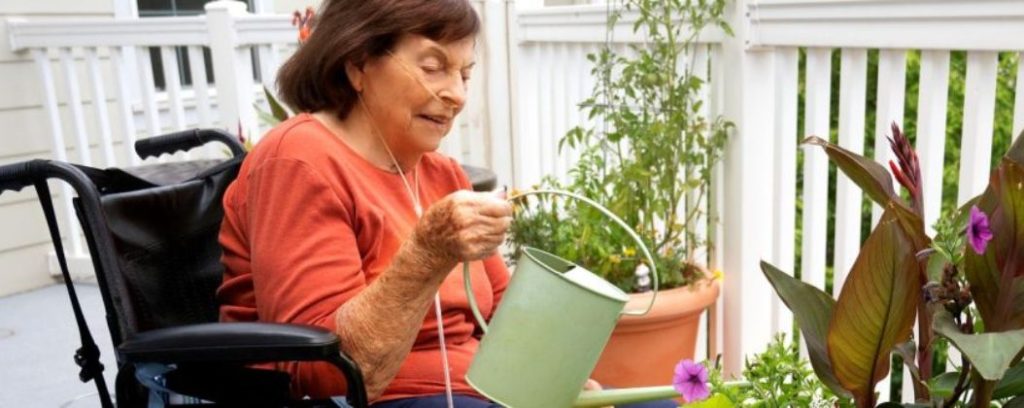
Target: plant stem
[(983, 391)]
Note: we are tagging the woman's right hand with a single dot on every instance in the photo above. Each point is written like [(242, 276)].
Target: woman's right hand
[(465, 226)]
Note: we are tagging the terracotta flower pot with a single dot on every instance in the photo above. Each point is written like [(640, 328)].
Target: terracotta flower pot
[(644, 350)]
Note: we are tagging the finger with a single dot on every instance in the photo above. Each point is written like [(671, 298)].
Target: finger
[(494, 207)]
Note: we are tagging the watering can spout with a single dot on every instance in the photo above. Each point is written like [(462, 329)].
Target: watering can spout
[(605, 398)]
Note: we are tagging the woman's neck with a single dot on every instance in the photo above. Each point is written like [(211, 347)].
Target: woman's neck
[(359, 133)]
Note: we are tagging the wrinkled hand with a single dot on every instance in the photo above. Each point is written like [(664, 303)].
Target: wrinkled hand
[(465, 226)]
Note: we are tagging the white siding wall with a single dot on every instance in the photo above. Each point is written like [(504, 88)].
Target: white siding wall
[(24, 135)]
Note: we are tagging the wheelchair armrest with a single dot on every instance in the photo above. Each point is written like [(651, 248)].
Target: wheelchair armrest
[(244, 343), (231, 343)]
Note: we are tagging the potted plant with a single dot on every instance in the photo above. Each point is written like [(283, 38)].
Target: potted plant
[(649, 160)]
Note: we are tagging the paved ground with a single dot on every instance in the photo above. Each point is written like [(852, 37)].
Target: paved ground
[(38, 339)]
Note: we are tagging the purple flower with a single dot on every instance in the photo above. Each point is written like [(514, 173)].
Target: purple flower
[(978, 231), (691, 381)]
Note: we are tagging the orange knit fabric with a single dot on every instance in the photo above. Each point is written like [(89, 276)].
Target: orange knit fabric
[(309, 223)]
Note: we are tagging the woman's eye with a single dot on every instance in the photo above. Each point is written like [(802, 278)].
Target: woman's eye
[(430, 69)]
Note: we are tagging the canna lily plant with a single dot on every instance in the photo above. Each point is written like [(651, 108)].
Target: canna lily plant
[(965, 284)]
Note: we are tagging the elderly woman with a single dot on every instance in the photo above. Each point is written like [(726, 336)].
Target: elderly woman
[(343, 216)]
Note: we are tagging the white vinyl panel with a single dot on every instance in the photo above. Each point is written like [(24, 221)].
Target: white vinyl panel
[(528, 139), (892, 79), (852, 96), (67, 65), (892, 73), (816, 122), (979, 112), (58, 148), (269, 63), (562, 104), (576, 70), (931, 129), (148, 88), (99, 103), (124, 102), (172, 81), (200, 87), (699, 224), (1018, 100), (545, 108), (716, 202), (786, 78)]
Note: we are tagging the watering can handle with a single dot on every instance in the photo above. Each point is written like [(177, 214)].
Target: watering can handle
[(596, 206)]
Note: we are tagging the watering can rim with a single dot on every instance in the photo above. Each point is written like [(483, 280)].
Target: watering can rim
[(621, 295)]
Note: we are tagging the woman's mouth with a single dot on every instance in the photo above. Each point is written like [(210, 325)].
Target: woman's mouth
[(438, 122)]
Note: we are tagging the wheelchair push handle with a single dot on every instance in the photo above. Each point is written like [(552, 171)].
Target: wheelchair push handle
[(186, 140), (17, 176)]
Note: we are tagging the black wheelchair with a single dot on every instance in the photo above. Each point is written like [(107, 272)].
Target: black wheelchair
[(152, 235)]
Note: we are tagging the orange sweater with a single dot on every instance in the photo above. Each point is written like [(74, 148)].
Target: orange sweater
[(309, 223)]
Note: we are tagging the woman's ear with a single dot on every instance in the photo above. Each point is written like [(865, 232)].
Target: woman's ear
[(355, 76)]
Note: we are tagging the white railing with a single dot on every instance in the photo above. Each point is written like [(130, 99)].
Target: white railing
[(120, 75), (755, 77)]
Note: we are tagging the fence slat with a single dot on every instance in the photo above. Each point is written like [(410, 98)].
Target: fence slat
[(816, 122), (892, 78), (172, 81), (979, 113), (892, 75), (931, 129), (852, 87), (99, 101), (548, 156), (200, 86), (787, 72), (1018, 100), (67, 65), (124, 103), (560, 110), (58, 148), (148, 87), (527, 140)]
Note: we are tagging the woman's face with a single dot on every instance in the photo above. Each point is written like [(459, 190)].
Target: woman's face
[(414, 92)]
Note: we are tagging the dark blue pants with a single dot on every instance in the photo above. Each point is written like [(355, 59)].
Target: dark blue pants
[(465, 401)]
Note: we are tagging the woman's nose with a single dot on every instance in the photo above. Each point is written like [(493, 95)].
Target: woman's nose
[(453, 93)]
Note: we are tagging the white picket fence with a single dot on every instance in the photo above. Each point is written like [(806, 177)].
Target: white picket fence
[(534, 73)]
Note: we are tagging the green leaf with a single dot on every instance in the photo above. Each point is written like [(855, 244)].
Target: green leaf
[(1000, 303), (266, 118), (1016, 151), (1017, 402), (990, 353), (1011, 384), (276, 109), (908, 351), (813, 309), (942, 386), (716, 401), (876, 308), (872, 177)]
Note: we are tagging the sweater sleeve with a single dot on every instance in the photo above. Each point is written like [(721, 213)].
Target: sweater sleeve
[(305, 259)]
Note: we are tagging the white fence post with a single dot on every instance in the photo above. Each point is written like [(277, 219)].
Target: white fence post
[(749, 78), (499, 86), (232, 67)]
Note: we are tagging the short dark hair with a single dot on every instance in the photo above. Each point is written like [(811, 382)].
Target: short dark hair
[(314, 78)]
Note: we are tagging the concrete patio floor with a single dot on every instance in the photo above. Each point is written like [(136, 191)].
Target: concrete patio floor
[(38, 339)]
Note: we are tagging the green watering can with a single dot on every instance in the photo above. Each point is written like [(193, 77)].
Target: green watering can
[(554, 321)]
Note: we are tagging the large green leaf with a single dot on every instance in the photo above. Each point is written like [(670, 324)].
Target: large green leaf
[(876, 308), (990, 353), (813, 310), (1001, 302), (1011, 384), (872, 177), (943, 385), (279, 112)]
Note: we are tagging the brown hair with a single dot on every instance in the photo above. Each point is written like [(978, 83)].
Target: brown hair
[(314, 78)]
